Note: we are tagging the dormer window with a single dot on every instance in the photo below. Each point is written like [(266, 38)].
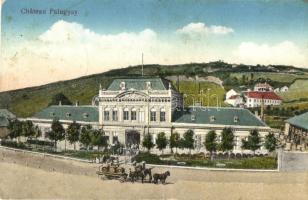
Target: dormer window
[(52, 114), (122, 85), (85, 115), (212, 118), (193, 117), (68, 114), (236, 119)]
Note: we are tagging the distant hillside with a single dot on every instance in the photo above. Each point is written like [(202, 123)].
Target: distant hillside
[(25, 102)]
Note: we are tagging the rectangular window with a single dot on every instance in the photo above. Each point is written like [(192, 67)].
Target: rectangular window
[(133, 115), (153, 116), (125, 115), (106, 115), (115, 115), (162, 116)]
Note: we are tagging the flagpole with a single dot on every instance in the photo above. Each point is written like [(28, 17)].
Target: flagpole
[(142, 64)]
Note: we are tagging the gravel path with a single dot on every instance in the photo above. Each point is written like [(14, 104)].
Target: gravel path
[(31, 176)]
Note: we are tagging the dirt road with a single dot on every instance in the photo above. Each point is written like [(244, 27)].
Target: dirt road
[(61, 179)]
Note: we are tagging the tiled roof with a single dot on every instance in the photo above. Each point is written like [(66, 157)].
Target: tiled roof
[(300, 121), (7, 114), (212, 115), (234, 96), (263, 95), (73, 113), (140, 84)]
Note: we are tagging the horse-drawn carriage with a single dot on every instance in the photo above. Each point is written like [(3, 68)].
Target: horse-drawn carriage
[(111, 171)]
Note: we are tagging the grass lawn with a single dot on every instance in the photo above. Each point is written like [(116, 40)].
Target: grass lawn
[(87, 155), (275, 121), (298, 91), (191, 89), (267, 162), (278, 77)]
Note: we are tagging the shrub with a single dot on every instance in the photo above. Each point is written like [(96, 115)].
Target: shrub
[(40, 142), (13, 144), (148, 158)]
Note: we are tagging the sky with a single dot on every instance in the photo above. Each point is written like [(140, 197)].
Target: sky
[(40, 45)]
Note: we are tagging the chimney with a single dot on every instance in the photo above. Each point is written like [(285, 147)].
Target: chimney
[(256, 113), (60, 103), (77, 103)]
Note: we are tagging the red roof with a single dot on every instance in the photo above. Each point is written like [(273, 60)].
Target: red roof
[(234, 96), (263, 95)]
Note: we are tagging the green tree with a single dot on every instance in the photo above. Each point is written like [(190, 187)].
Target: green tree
[(85, 135), (210, 142), (98, 139), (15, 128), (147, 142), (251, 76), (253, 142), (270, 142), (28, 129), (60, 97), (161, 141), (73, 132), (188, 140), (37, 133), (227, 138), (57, 132), (174, 141), (243, 81)]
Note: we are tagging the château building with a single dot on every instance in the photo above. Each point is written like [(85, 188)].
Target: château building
[(130, 108)]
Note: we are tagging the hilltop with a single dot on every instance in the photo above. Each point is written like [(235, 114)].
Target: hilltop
[(25, 102)]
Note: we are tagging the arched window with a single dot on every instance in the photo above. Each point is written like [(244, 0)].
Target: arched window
[(162, 115), (126, 114), (114, 114), (106, 114), (133, 114), (153, 115)]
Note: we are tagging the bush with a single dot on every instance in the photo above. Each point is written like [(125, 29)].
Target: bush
[(148, 158), (40, 142), (254, 163), (13, 144)]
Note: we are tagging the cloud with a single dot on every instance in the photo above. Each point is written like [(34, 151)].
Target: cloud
[(196, 30), (286, 53), (68, 50), (70, 47)]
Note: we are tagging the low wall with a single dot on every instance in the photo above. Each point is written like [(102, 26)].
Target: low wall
[(293, 161)]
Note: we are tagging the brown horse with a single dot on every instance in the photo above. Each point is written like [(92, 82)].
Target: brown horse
[(161, 177)]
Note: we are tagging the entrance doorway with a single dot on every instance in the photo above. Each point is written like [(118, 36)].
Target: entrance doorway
[(132, 138)]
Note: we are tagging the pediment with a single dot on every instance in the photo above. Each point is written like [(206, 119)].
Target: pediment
[(132, 95)]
